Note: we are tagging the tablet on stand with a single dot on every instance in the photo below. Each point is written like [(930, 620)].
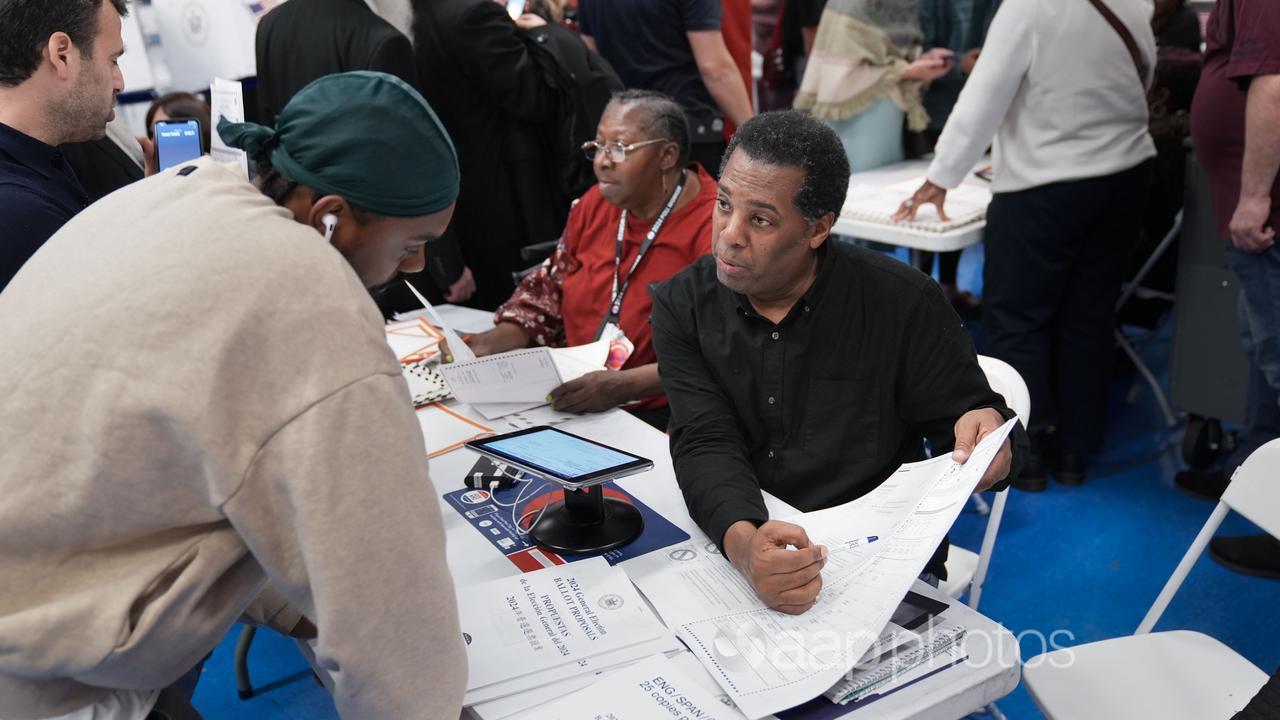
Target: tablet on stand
[(585, 522)]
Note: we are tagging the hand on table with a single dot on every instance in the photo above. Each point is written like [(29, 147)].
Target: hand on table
[(928, 194), (503, 337), (1249, 231), (786, 580), (594, 392), (970, 429), (463, 288)]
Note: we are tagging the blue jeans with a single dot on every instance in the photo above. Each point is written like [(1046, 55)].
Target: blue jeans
[(873, 137), (1259, 275)]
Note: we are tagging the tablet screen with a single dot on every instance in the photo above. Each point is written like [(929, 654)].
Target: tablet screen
[(560, 453)]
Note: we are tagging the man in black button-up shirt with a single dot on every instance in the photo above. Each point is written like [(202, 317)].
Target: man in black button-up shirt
[(808, 369), (58, 82)]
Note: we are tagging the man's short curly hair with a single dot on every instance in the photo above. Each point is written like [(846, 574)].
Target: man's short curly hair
[(798, 140)]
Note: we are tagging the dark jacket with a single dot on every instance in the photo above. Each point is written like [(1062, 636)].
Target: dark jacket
[(304, 40), (584, 83), (479, 75), (101, 166)]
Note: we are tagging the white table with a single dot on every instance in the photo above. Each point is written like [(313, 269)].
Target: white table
[(992, 672), (956, 239)]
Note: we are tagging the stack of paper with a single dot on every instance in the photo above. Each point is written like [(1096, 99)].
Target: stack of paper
[(869, 203), (769, 661), (531, 630), (653, 688), (519, 380)]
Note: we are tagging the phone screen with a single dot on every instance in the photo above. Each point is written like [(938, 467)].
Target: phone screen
[(515, 8), (177, 141)]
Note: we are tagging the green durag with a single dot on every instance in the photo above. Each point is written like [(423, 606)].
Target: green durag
[(366, 136)]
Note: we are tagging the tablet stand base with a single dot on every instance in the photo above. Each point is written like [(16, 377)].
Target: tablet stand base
[(587, 523)]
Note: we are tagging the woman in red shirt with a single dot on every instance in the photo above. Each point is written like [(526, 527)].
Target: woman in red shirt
[(647, 219)]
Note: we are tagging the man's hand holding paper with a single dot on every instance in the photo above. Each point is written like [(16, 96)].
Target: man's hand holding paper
[(778, 560), (970, 429)]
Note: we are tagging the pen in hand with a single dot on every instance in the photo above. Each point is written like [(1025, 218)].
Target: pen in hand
[(855, 543)]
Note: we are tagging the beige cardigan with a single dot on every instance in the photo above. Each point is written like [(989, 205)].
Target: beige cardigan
[(853, 66), (198, 399)]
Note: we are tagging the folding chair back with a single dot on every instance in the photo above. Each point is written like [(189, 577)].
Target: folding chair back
[(1254, 492), (1172, 674), (1006, 381)]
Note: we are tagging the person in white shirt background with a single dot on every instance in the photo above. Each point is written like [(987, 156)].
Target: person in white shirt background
[(1065, 101)]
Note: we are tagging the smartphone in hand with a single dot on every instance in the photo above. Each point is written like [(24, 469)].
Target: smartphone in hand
[(177, 141)]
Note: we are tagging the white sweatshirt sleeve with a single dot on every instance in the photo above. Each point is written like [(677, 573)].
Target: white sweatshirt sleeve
[(338, 509), (986, 97)]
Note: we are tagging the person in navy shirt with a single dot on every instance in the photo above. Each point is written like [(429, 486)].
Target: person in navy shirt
[(59, 78)]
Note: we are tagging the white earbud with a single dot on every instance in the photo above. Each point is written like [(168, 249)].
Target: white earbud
[(330, 223)]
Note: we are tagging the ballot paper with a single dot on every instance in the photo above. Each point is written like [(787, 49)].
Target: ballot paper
[(768, 661), (654, 688), (226, 100), (519, 380), (964, 205), (551, 624)]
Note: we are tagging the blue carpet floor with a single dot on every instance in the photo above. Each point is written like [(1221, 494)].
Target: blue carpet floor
[(1075, 564)]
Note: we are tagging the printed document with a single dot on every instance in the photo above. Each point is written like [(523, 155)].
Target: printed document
[(520, 379), (770, 661), (553, 620), (654, 688), (226, 100), (525, 691)]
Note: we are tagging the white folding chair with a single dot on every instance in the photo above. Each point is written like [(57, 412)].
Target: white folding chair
[(1176, 674), (967, 570)]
